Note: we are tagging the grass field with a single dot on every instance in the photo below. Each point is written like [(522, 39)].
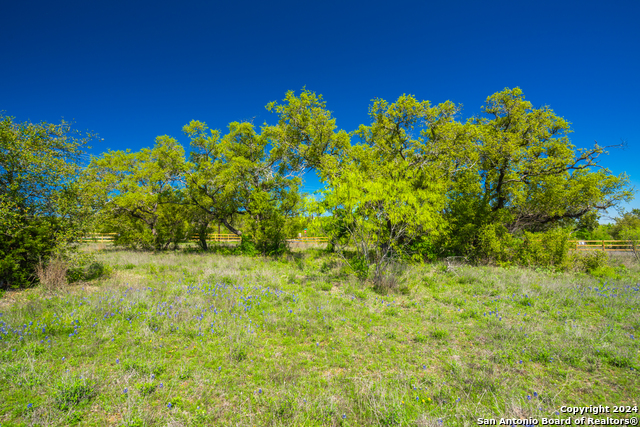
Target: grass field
[(192, 339)]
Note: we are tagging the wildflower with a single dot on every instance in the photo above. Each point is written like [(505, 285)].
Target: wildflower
[(344, 416), (30, 405), (126, 390), (169, 405)]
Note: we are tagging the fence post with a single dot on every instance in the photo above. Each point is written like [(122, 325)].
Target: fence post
[(603, 250)]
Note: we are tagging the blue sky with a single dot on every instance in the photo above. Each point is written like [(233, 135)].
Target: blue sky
[(133, 70)]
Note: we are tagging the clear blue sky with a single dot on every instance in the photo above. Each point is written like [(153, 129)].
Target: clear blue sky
[(132, 70)]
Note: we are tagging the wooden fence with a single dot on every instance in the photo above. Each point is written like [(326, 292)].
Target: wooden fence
[(216, 237), (605, 245), (233, 238), (578, 245), (309, 240), (99, 237)]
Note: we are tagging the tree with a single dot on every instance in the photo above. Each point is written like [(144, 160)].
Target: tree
[(43, 206), (142, 194), (624, 224), (389, 191), (305, 136), (627, 227), (237, 175), (587, 224), (528, 177)]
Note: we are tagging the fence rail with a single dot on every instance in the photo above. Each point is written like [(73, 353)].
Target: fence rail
[(578, 245), (215, 237), (605, 245), (99, 237), (309, 240)]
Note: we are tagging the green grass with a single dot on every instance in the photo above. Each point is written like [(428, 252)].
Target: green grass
[(191, 339)]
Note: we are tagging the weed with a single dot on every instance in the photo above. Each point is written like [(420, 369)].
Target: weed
[(325, 286), (439, 334), (73, 391), (52, 275)]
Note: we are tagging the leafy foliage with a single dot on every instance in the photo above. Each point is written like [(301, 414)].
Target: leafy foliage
[(236, 176), (44, 207), (527, 175), (141, 194), (389, 190)]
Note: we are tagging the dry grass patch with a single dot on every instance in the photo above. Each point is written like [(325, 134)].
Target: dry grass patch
[(52, 275)]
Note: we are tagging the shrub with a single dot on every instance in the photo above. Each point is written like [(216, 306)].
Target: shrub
[(497, 245), (247, 246), (44, 205), (548, 249), (589, 261), (22, 251)]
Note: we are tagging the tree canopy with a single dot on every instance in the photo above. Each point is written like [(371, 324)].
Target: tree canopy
[(416, 182), (43, 203)]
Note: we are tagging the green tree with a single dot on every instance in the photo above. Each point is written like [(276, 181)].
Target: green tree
[(238, 175), (586, 225), (142, 194), (627, 227), (43, 205), (389, 190), (306, 136), (626, 224), (528, 176)]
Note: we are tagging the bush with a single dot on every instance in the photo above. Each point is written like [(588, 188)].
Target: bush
[(21, 252), (44, 205), (497, 245), (247, 246), (589, 261), (605, 272), (548, 249)]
